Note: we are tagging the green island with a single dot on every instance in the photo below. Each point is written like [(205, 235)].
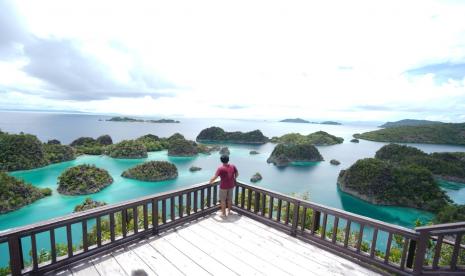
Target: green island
[(152, 171), (182, 147), (91, 146), (445, 133), (128, 149), (218, 135), (406, 176), (132, 120), (88, 204), (296, 120), (26, 151), (83, 179), (153, 142), (286, 154), (331, 123), (15, 193), (409, 122), (319, 138)]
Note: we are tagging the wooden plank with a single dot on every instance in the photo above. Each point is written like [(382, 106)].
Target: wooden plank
[(106, 265), (271, 251), (201, 258), (226, 257), (177, 258), (237, 250), (86, 268), (159, 264), (131, 263), (305, 249)]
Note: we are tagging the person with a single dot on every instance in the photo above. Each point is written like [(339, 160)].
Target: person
[(228, 174)]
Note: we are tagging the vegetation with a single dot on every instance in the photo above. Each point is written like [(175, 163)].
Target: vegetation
[(15, 193), (409, 122), (285, 154), (131, 120), (450, 213), (445, 165), (152, 171), (453, 134), (55, 153), (256, 177), (152, 142), (334, 162), (217, 134), (194, 168), (88, 204), (21, 152), (129, 149), (355, 140), (331, 123), (319, 138), (381, 182), (182, 147), (87, 145), (83, 179), (104, 140)]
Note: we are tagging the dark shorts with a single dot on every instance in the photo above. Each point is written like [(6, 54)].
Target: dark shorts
[(226, 194)]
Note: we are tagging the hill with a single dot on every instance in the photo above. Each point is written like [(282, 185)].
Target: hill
[(409, 122)]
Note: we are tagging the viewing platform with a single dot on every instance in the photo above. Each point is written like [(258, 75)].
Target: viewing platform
[(179, 233)]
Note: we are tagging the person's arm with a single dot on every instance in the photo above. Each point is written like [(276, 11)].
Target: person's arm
[(213, 178), (236, 173)]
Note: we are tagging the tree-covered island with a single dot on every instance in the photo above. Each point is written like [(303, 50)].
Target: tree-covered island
[(132, 120), (152, 171), (15, 193), (441, 133), (286, 154), (88, 204), (404, 176), (83, 179), (319, 138), (218, 135), (128, 149)]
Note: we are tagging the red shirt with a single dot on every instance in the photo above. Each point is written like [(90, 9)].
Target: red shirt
[(227, 173)]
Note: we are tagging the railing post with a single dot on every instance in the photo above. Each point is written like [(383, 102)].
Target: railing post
[(316, 221), (420, 252), (15, 255), (411, 253), (295, 218)]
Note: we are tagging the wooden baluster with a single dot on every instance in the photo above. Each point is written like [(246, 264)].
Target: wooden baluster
[(146, 217), (360, 237), (215, 195), (53, 247), (263, 201), (209, 196), (405, 249), (99, 231), (85, 244), (288, 212), (437, 251), (69, 240), (188, 203), (236, 195), (14, 246), (455, 254), (163, 211), (278, 215), (35, 261), (202, 199), (373, 242), (335, 225), (172, 213), (388, 249), (124, 222), (112, 227), (180, 203), (323, 227), (155, 216), (295, 218), (347, 233), (135, 219), (256, 202), (304, 219), (249, 200), (195, 201), (270, 208), (315, 221), (243, 198), (411, 253)]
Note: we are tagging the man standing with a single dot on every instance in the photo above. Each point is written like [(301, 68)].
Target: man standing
[(228, 175)]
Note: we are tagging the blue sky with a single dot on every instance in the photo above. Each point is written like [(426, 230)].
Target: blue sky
[(340, 60)]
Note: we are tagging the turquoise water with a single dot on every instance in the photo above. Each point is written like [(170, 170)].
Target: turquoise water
[(318, 179)]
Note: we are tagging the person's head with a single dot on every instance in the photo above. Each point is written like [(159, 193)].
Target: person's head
[(224, 159)]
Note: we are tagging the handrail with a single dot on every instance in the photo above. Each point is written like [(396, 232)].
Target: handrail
[(407, 251)]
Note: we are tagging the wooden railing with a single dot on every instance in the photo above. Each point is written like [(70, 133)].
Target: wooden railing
[(106, 227), (392, 248), (432, 250)]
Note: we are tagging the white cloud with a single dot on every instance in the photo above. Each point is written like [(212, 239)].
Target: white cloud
[(313, 59)]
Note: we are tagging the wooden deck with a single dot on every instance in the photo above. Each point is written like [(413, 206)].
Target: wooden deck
[(215, 246)]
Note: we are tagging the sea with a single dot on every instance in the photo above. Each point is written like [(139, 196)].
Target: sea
[(318, 180)]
